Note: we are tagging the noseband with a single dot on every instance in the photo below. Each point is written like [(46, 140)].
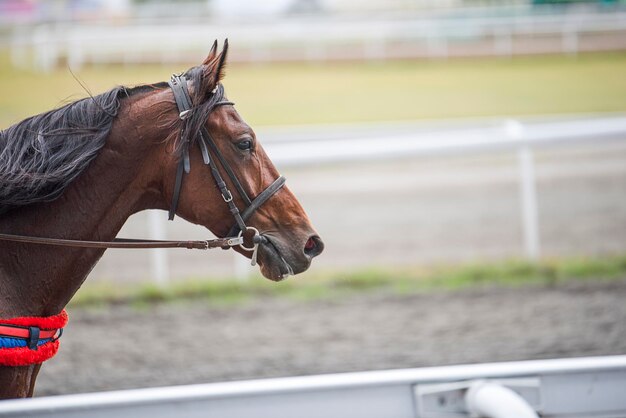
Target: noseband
[(247, 238), (178, 84)]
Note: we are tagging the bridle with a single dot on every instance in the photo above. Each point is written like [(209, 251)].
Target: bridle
[(246, 237), (178, 84)]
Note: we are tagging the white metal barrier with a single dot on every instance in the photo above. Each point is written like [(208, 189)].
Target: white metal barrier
[(590, 387), (485, 136), (318, 145)]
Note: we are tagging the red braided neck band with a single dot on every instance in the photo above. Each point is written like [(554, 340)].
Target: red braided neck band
[(25, 356)]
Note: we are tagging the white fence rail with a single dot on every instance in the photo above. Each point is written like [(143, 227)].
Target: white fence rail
[(319, 38), (589, 387), (298, 146), (314, 146)]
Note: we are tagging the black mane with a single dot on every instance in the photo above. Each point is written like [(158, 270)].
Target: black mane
[(40, 156)]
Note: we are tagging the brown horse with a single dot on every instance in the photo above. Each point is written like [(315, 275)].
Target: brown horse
[(107, 157)]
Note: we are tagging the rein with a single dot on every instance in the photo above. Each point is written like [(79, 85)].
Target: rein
[(247, 238), (127, 243)]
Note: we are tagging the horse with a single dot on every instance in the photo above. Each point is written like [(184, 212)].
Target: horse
[(78, 172)]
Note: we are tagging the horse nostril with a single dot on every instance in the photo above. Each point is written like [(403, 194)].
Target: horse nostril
[(314, 246)]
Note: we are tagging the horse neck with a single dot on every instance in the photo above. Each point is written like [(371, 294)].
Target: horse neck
[(123, 179)]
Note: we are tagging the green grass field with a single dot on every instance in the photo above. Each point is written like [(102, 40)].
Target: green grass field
[(328, 285), (356, 92)]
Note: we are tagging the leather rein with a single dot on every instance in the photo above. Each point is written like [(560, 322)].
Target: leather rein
[(248, 238)]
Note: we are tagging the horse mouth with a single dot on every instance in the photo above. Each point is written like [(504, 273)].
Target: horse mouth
[(273, 264)]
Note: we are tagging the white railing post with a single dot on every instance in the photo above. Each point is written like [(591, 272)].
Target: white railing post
[(569, 40), (436, 43), (503, 42), (46, 48), (19, 49), (159, 265), (241, 266), (528, 193), (530, 218)]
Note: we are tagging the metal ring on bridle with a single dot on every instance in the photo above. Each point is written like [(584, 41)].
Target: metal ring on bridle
[(240, 235)]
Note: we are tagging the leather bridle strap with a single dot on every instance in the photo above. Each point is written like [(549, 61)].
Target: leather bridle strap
[(206, 142), (125, 242), (257, 202), (204, 134), (263, 197), (177, 186), (183, 102), (221, 184)]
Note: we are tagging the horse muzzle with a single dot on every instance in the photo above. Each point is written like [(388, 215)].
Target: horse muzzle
[(279, 259)]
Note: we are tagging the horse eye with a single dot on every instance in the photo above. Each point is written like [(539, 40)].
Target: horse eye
[(244, 145)]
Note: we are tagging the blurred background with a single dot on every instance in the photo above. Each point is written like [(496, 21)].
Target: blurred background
[(412, 131), (417, 134)]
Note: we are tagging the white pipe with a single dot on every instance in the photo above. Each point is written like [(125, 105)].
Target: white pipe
[(528, 196), (492, 400), (159, 264)]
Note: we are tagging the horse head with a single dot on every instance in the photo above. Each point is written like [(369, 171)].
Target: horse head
[(218, 175)]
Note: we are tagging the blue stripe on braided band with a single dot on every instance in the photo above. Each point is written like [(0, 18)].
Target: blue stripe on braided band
[(9, 342)]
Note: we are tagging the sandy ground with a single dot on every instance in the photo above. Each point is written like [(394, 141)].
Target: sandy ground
[(447, 210), (193, 342)]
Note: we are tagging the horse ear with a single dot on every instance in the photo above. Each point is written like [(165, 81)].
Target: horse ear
[(214, 67), (212, 53), (220, 70)]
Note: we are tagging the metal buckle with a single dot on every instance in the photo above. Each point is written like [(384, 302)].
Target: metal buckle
[(184, 114), (228, 198), (233, 242), (59, 334), (33, 338)]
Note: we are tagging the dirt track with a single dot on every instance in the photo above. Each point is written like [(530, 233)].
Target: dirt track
[(192, 342)]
